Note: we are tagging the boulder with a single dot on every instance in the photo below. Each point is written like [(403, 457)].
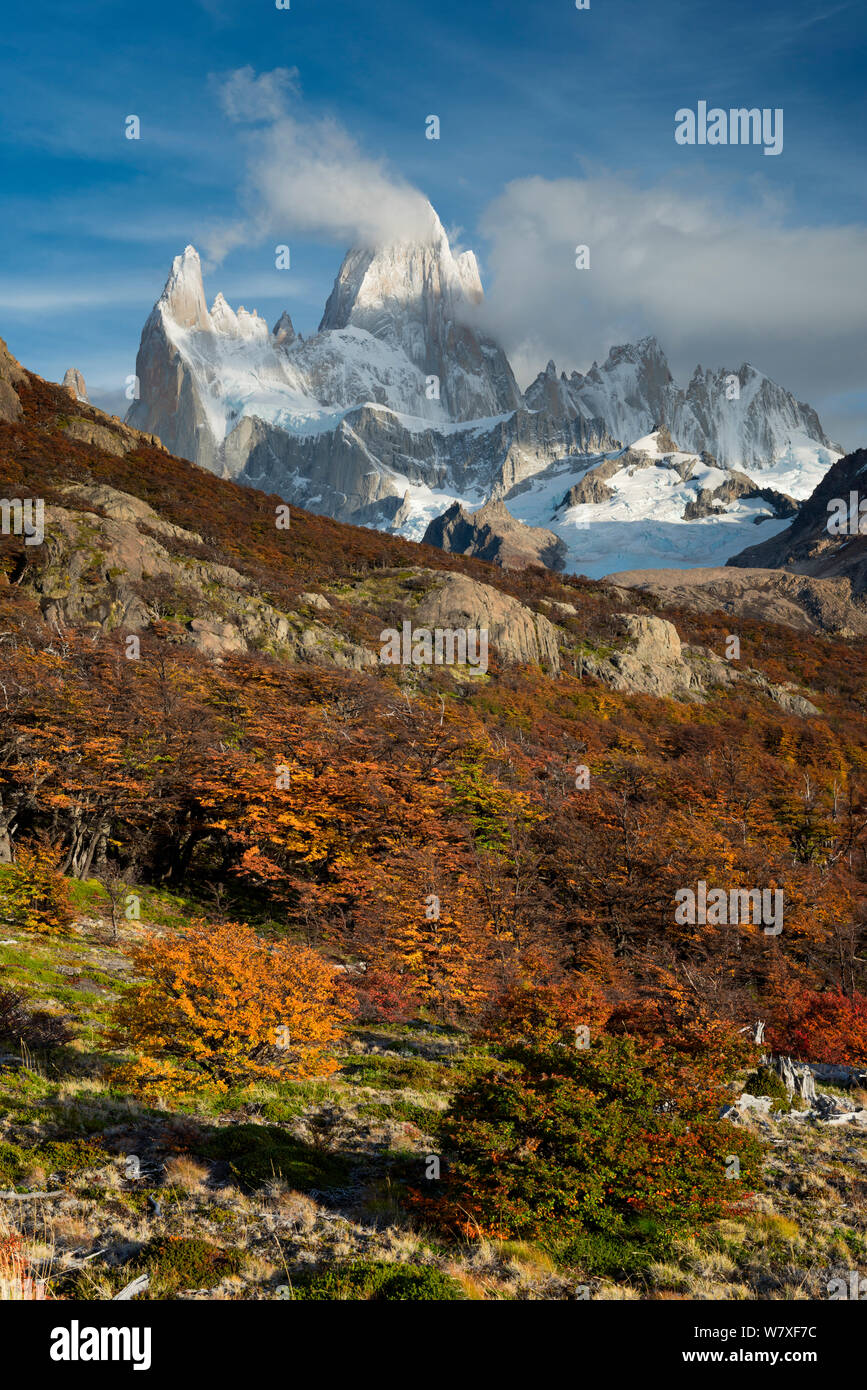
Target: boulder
[(315, 601), (519, 634), (215, 639)]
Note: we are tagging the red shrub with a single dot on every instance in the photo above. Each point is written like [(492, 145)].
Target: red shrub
[(820, 1026)]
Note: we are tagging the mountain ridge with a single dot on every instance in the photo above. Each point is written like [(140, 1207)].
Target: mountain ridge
[(399, 405)]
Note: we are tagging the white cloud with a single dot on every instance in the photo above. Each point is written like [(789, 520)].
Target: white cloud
[(717, 285), (308, 176), (246, 97)]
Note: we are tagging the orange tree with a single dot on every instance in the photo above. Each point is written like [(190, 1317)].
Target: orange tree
[(230, 1006), (33, 892)]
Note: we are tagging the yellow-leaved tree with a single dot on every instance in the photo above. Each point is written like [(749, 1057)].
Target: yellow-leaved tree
[(222, 1004)]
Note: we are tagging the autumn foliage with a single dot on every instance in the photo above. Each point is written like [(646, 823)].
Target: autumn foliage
[(34, 894), (224, 1004), (428, 827), (820, 1026)]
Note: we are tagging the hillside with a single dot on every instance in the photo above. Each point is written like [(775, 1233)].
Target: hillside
[(449, 870)]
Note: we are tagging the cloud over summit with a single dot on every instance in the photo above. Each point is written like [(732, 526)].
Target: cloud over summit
[(308, 176)]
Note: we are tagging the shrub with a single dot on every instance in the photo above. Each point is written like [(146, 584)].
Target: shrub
[(819, 1025), (540, 1015), (620, 1140), (400, 1073), (257, 1153), (379, 1283), (216, 996), (34, 1027), (187, 1262), (34, 894), (765, 1082), (57, 1159), (384, 997)]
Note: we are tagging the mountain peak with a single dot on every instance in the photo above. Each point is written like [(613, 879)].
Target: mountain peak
[(73, 382), (183, 299), (283, 330), (416, 295), (417, 278)]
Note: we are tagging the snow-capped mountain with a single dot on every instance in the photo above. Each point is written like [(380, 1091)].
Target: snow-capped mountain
[(419, 298), (740, 416), (400, 404)]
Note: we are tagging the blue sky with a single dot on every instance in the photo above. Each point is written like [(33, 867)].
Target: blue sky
[(557, 127)]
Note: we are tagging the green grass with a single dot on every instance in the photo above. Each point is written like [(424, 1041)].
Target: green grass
[(257, 1153), (59, 1159), (378, 1282), (173, 1263), (401, 1073)]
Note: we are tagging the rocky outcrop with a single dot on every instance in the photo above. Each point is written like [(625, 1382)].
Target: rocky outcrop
[(519, 635), (108, 569), (651, 663), (764, 595), (592, 488), (12, 374), (654, 661), (493, 534), (108, 434), (73, 382), (712, 500), (283, 332)]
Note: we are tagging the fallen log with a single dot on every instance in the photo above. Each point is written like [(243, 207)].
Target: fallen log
[(29, 1196)]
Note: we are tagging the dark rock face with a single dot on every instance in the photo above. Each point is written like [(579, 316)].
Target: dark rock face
[(11, 375), (808, 547), (711, 500), (493, 534)]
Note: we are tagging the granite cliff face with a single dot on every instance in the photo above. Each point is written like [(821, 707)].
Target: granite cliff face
[(420, 298), (739, 416), (493, 534)]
